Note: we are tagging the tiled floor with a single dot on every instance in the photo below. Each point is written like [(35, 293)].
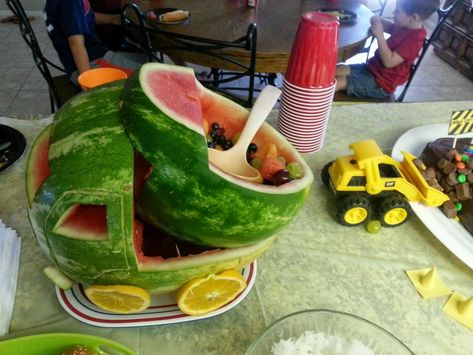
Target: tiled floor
[(23, 91)]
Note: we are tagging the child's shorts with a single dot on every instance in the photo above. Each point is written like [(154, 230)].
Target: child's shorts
[(361, 83)]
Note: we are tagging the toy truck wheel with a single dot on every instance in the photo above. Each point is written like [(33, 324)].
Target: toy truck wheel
[(325, 175), (394, 211), (353, 210)]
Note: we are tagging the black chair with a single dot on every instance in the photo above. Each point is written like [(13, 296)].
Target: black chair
[(136, 35), (442, 15), (60, 87), (153, 40)]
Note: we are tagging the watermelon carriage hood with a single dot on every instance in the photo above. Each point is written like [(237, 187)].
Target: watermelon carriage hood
[(163, 112), (84, 177)]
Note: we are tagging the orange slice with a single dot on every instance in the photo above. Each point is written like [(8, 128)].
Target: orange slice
[(204, 295), (118, 298)]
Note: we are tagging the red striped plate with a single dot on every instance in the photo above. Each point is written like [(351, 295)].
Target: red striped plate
[(163, 308)]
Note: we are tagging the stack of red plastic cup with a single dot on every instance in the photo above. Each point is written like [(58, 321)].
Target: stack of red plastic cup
[(309, 83)]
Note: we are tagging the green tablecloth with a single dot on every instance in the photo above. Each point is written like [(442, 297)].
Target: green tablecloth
[(314, 263)]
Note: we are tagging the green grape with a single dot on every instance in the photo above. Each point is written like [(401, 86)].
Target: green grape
[(256, 163), (282, 159), (295, 170), (373, 226)]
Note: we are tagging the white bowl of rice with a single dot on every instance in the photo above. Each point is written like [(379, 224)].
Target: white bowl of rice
[(326, 332)]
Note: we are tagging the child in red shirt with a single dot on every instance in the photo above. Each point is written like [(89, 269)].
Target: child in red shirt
[(392, 62)]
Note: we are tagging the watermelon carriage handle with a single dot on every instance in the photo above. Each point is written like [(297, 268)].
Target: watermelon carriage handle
[(233, 161)]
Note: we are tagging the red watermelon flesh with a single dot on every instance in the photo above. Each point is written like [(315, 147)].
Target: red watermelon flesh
[(38, 164), (88, 222), (141, 173), (185, 98)]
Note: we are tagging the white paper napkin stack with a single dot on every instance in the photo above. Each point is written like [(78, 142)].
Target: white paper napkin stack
[(9, 261)]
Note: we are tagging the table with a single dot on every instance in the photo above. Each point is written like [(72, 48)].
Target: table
[(314, 263), (277, 23)]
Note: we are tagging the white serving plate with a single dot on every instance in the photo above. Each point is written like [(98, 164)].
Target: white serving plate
[(449, 232), (163, 308)]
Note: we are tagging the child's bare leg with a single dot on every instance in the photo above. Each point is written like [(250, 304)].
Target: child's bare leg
[(341, 83), (342, 70), (341, 74)]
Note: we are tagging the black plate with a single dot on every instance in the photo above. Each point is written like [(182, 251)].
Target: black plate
[(345, 15), (12, 146), (161, 11)]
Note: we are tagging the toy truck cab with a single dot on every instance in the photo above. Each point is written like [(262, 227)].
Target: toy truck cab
[(370, 182), (367, 170)]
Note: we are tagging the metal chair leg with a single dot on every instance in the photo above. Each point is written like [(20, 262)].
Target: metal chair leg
[(51, 101), (214, 72)]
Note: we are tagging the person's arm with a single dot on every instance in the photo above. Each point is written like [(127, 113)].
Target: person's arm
[(388, 57), (79, 53), (107, 19)]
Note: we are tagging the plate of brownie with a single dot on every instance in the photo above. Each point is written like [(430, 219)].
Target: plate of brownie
[(434, 147)]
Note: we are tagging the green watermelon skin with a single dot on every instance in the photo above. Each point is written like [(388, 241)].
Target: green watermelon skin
[(186, 198), (91, 163)]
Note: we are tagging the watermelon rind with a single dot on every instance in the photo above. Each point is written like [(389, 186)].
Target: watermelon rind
[(161, 276), (58, 278), (185, 195), (91, 162)]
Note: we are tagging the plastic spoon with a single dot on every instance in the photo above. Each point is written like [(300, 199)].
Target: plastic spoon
[(233, 161)]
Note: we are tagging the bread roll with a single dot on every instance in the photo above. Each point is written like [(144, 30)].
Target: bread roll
[(174, 16)]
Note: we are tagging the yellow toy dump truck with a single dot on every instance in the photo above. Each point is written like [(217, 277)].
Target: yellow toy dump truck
[(370, 184)]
